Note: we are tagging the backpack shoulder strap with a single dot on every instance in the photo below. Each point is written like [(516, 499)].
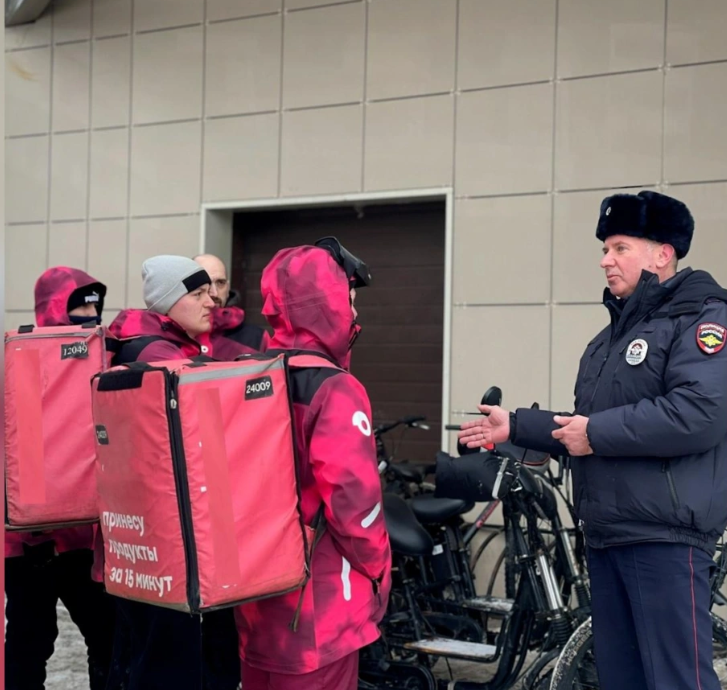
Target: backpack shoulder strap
[(126, 351)]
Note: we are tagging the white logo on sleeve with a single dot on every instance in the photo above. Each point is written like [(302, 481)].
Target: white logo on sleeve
[(346, 579), (362, 423)]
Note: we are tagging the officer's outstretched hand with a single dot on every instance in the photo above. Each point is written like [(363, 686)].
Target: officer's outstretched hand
[(495, 428)]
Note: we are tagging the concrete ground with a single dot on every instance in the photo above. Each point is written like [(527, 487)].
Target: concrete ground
[(67, 669)]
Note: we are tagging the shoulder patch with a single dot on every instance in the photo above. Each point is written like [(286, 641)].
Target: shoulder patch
[(711, 337)]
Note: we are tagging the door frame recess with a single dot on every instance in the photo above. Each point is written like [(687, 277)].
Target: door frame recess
[(215, 237)]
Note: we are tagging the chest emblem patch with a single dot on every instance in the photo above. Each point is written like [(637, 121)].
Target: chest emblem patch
[(636, 351), (711, 337)]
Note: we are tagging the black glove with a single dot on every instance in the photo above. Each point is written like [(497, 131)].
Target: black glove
[(480, 477)]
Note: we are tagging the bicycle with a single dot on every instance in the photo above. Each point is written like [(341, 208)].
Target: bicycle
[(420, 614)]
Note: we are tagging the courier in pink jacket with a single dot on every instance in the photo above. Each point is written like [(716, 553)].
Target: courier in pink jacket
[(308, 300), (168, 649), (42, 567)]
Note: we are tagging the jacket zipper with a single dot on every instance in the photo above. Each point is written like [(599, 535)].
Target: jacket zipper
[(179, 464), (666, 469), (598, 378)]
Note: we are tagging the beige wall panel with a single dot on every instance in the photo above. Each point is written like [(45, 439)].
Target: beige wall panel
[(168, 75), (107, 260), (109, 173), (15, 319), (411, 47), (241, 157), (111, 17), (695, 145), (500, 346), (27, 91), (577, 276), (574, 326), (609, 131), (409, 143), (166, 169), (71, 65), (300, 4), (109, 315), (67, 245), (696, 31), (71, 20), (233, 9), (502, 250), (505, 42), (30, 35), (243, 66), (69, 176), (111, 82), (324, 56), (708, 204), (25, 247), (595, 37), (162, 14), (505, 140), (322, 151), (152, 236), (26, 181)]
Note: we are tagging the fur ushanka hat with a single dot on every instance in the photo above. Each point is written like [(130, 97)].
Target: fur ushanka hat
[(649, 215)]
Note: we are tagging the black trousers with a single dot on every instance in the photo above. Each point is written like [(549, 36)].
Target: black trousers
[(33, 585), (172, 649), (651, 623)]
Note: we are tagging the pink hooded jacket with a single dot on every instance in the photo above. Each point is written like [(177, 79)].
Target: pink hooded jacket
[(52, 291), (306, 301)]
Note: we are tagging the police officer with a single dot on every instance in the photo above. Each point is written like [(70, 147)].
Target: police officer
[(649, 445)]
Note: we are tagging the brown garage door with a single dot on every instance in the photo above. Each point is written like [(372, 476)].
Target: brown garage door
[(399, 354)]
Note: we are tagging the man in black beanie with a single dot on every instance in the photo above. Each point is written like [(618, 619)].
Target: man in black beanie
[(648, 440)]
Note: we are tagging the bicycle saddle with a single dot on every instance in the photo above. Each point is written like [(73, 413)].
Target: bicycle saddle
[(407, 471), (406, 535), (430, 510), (535, 460)]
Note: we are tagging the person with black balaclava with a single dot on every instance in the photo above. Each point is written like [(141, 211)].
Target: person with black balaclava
[(43, 567)]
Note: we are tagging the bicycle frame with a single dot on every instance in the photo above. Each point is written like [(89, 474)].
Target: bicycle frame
[(418, 610)]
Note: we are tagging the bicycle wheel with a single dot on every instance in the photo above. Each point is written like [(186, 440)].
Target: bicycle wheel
[(481, 548), (576, 666)]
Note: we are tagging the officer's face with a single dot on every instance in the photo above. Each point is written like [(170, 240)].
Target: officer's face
[(623, 260)]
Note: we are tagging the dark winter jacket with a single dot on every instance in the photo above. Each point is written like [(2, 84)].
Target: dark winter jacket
[(654, 387), (232, 336)]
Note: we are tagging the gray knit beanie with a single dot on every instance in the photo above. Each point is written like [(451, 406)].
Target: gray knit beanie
[(169, 278)]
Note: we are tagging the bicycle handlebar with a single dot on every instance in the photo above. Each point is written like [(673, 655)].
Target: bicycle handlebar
[(411, 421)]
